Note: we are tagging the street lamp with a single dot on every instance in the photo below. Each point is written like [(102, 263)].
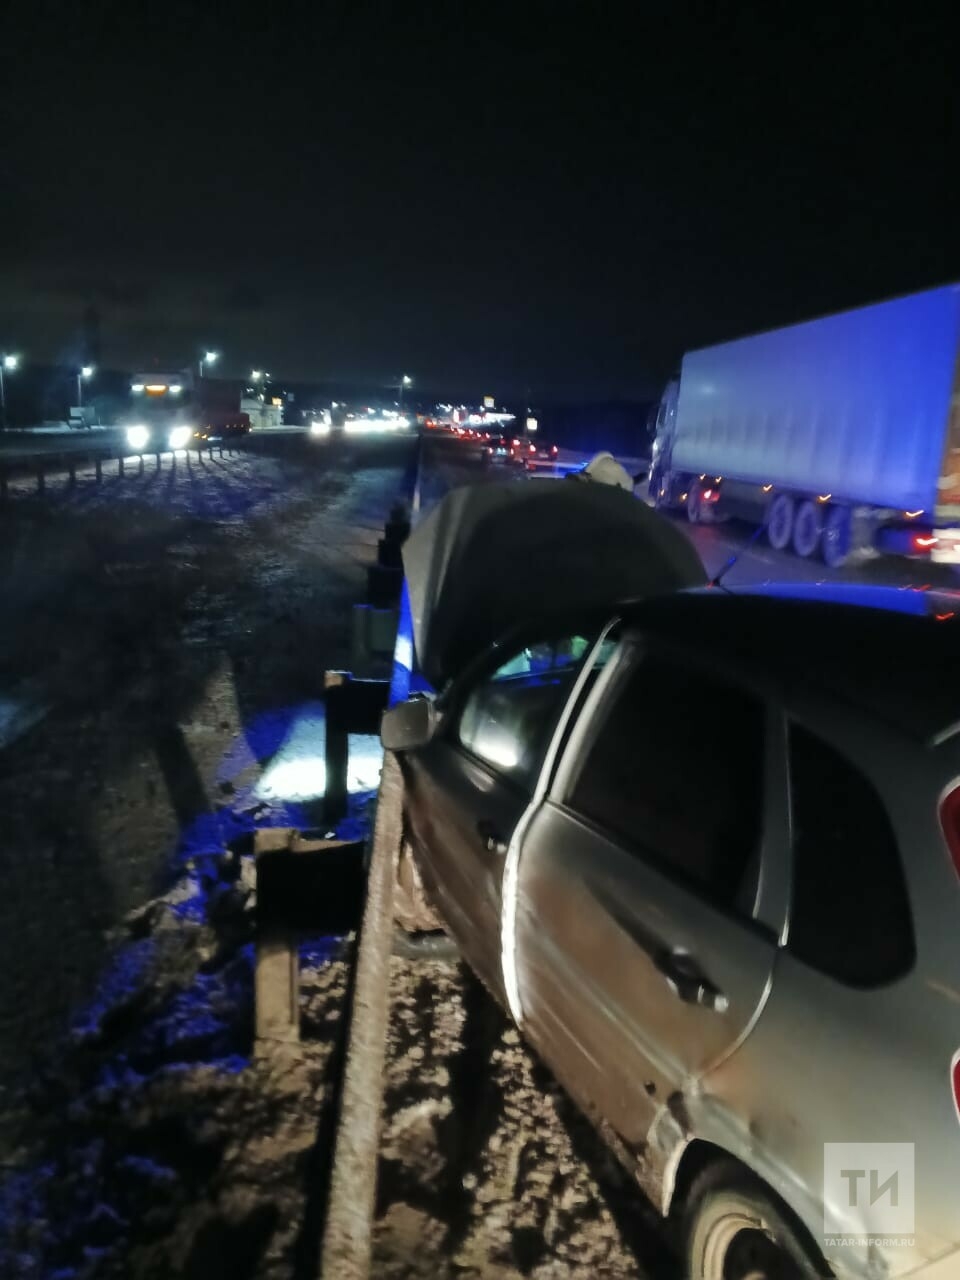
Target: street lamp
[(85, 372), (7, 365), (209, 357), (405, 381)]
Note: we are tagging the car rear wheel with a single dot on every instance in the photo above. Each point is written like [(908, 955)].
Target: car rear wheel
[(806, 529), (780, 521), (734, 1229)]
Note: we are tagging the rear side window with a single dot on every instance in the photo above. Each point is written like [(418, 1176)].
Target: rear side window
[(850, 911), (675, 772)]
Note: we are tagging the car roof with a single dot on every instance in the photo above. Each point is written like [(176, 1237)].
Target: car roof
[(892, 652)]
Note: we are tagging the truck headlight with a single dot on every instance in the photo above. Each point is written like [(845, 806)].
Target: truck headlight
[(138, 437), (179, 437)]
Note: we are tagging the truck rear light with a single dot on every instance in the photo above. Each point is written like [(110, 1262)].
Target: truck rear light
[(950, 822)]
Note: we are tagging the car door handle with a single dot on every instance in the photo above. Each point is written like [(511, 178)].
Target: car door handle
[(493, 842), (688, 982)]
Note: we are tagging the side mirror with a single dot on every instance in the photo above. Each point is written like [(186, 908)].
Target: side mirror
[(408, 725)]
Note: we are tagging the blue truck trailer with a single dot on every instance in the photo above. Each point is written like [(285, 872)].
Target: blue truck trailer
[(838, 435)]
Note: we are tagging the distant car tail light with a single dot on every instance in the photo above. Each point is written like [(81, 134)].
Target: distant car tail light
[(924, 542), (950, 822), (553, 449), (531, 448)]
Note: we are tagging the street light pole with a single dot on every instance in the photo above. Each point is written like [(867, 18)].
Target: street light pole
[(7, 364), (85, 372), (404, 382), (209, 357)]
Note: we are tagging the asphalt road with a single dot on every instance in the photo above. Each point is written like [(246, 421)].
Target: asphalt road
[(756, 562), (26, 444), (451, 463)]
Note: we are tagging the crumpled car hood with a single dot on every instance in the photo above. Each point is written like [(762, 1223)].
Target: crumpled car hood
[(492, 557)]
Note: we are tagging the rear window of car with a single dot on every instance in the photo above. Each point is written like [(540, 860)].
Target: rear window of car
[(850, 910)]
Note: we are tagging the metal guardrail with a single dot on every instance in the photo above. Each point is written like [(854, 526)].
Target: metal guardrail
[(351, 1200), (46, 463), (97, 460)]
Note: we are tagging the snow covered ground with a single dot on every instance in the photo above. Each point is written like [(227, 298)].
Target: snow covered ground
[(175, 631)]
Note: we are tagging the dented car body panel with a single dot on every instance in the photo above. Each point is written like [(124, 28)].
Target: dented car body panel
[(488, 557)]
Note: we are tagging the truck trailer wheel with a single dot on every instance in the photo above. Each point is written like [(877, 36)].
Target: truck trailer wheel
[(806, 529), (836, 540), (780, 521)]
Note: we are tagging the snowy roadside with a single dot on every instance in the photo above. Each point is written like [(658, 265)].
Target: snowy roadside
[(487, 1169), (177, 632), (150, 1142)]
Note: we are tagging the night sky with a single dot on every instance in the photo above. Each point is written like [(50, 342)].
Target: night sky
[(561, 197)]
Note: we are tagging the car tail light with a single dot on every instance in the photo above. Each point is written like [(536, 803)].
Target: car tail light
[(554, 449), (924, 543), (950, 822), (531, 448)]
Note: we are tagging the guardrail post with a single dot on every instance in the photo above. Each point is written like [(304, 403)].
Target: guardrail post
[(336, 749), (3, 484), (120, 465), (72, 471), (99, 466), (158, 460), (41, 479), (293, 868)]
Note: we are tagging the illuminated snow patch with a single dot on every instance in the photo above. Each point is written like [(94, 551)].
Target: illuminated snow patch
[(17, 715), (298, 771)]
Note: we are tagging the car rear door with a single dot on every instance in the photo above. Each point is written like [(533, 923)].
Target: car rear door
[(466, 791), (646, 927)]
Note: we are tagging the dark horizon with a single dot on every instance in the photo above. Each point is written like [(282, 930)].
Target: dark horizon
[(525, 201)]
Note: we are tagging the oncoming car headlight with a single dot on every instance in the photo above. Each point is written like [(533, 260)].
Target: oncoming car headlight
[(319, 429), (179, 437), (138, 437)]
